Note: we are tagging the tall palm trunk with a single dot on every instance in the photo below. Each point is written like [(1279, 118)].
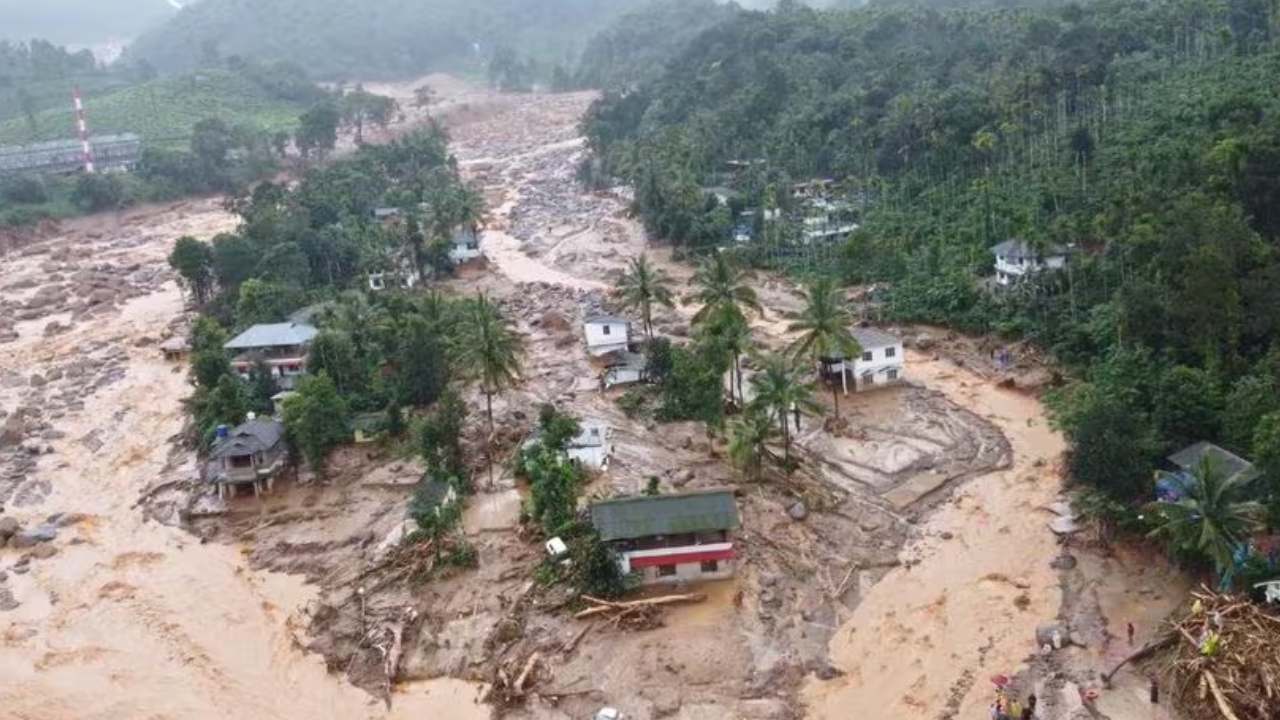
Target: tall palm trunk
[(737, 371), (786, 437), (488, 445), (835, 397)]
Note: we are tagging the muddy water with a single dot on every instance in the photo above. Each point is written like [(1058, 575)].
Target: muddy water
[(133, 619), (505, 252), (925, 639)]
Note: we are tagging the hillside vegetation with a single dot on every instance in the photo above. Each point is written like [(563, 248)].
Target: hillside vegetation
[(343, 40), (166, 109), (637, 46), (1144, 135)]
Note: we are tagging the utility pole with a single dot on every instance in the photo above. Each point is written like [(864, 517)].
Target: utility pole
[(83, 128)]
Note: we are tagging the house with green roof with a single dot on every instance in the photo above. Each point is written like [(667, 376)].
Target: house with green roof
[(666, 539)]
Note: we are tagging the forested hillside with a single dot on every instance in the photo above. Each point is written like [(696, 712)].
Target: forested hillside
[(345, 40), (638, 45), (1144, 136)]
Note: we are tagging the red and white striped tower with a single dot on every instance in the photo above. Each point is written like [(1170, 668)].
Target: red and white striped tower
[(83, 128)]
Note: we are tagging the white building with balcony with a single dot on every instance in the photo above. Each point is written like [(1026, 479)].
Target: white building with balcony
[(1017, 259), (882, 361)]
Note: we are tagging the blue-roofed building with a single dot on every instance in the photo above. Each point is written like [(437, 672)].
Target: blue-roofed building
[(282, 346)]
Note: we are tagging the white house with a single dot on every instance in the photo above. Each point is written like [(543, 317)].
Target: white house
[(881, 363), (406, 278), (592, 447), (464, 245), (882, 360), (1016, 259), (606, 334)]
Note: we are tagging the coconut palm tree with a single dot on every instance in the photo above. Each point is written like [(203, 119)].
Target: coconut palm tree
[(1213, 520), (491, 351), (780, 391), (642, 286), (825, 329), (749, 436), (722, 288)]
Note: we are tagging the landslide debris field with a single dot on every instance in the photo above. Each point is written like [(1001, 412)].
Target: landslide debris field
[(119, 599)]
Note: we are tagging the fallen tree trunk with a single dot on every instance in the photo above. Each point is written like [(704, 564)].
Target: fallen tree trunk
[(605, 606), (1139, 654)]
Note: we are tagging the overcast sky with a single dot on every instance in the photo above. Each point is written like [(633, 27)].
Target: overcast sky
[(80, 21)]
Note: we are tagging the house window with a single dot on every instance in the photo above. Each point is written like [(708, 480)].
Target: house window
[(890, 352), (606, 330), (893, 374), (710, 566), (866, 356), (666, 571)]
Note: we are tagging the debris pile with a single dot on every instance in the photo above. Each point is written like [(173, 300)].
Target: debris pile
[(1226, 659)]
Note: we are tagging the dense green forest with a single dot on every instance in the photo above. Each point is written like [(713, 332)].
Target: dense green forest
[(336, 39), (637, 45), (1143, 135)]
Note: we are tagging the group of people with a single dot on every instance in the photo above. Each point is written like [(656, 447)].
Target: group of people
[(1007, 707)]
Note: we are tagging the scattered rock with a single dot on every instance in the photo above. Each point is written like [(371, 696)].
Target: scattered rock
[(1051, 634), (36, 380), (1064, 561), (43, 552), (682, 478), (798, 511), (7, 601), (947, 535), (8, 528)]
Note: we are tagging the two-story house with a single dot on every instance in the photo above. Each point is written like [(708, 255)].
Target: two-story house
[(882, 360), (1017, 259), (251, 453), (282, 346)]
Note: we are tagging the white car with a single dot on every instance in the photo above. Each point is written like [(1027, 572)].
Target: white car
[(608, 713)]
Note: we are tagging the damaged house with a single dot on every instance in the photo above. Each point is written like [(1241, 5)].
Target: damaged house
[(251, 453), (684, 537)]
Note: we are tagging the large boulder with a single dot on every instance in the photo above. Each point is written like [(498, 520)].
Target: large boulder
[(8, 528)]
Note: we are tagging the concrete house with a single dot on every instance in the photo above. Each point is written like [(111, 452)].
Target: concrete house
[(684, 537), (283, 346), (606, 334), (625, 368), (882, 361), (252, 453), (464, 246), (1018, 259), (592, 446), (404, 277)]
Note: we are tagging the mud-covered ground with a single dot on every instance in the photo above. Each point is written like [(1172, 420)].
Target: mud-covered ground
[(919, 568)]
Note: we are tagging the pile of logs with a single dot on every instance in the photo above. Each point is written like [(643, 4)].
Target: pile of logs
[(1227, 659)]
